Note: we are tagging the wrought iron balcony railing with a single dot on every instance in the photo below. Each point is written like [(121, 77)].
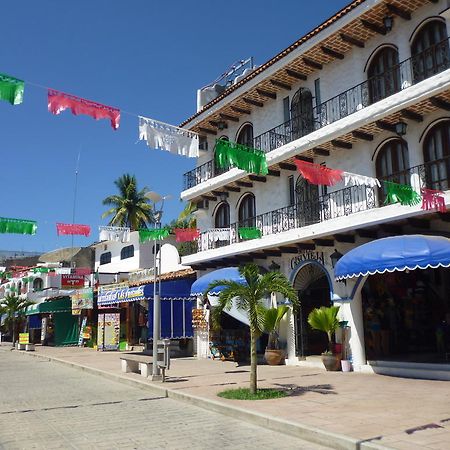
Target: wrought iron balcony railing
[(431, 61), (345, 202)]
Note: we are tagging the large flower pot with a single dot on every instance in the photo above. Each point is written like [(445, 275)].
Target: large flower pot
[(331, 362), (274, 357)]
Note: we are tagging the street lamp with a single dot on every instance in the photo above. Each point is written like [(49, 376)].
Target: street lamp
[(157, 215)]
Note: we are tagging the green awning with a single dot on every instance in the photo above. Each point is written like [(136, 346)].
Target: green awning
[(53, 306)]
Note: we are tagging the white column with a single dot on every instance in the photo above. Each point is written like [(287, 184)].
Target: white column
[(290, 338), (354, 315)]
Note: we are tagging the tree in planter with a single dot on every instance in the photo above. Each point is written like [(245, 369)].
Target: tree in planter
[(325, 319), (10, 306), (249, 298), (272, 320)]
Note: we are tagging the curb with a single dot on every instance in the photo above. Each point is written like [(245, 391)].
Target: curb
[(305, 432)]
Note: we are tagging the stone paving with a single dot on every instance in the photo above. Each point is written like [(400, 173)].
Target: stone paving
[(47, 405), (395, 412)]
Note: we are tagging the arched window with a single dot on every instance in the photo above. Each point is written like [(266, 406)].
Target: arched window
[(105, 258), (245, 135), (302, 113), (38, 284), (436, 154), (127, 252), (383, 74), (247, 211), (430, 50), (307, 202), (392, 164), (222, 216)]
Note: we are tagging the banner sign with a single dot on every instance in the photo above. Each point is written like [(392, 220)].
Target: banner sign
[(82, 299), (129, 294), (81, 336), (24, 338), (108, 331), (72, 281)]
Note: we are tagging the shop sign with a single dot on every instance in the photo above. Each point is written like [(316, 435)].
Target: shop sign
[(142, 275), (199, 321), (111, 287), (108, 331), (24, 338), (129, 294), (307, 256), (44, 328), (82, 299), (72, 281)]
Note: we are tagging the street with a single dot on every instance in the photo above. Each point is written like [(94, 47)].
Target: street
[(47, 405)]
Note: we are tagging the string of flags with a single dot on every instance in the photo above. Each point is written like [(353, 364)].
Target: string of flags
[(158, 135)]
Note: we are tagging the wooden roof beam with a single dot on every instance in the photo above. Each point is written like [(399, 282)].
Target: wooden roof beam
[(288, 249), (228, 117), (245, 184), (412, 115), (257, 178), (303, 158), (220, 193), (362, 135), (296, 75), (281, 85), (348, 238), (250, 101), (439, 103), (232, 189), (385, 125), (324, 242), (369, 234), (306, 246), (351, 40), (330, 52), (240, 110), (373, 27), (287, 166), (207, 131), (272, 252), (400, 12), (311, 63), (341, 144), (219, 125), (274, 173), (321, 151), (209, 197), (267, 94)]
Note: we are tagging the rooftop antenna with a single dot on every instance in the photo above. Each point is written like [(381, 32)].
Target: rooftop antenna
[(75, 201)]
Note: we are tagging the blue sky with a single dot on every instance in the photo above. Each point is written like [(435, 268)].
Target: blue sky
[(145, 57)]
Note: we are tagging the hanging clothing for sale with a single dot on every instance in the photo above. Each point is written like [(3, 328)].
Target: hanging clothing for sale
[(60, 101), (11, 89), (162, 136), (117, 234), (69, 228), (317, 174), (17, 226)]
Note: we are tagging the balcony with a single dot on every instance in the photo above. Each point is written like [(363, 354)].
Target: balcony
[(424, 65), (344, 202)]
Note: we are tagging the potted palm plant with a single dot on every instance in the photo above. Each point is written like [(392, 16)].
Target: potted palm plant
[(272, 318), (325, 319)]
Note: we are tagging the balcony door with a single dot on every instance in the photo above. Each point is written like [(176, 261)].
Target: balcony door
[(302, 113), (430, 50), (245, 135), (383, 74), (247, 211), (307, 202), (392, 164), (436, 155)]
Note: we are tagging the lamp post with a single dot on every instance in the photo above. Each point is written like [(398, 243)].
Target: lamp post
[(157, 214)]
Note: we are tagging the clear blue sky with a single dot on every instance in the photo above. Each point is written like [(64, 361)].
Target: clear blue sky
[(145, 57)]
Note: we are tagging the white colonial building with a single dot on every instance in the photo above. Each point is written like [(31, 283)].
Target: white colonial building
[(368, 92)]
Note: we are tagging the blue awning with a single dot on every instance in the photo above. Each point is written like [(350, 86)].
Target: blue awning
[(171, 289), (397, 253), (227, 273)]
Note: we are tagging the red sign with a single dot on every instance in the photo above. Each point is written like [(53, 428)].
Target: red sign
[(72, 281)]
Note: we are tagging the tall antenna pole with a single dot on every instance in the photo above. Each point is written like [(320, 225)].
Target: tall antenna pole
[(75, 199)]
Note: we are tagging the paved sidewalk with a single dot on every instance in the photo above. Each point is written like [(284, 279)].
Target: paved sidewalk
[(393, 412)]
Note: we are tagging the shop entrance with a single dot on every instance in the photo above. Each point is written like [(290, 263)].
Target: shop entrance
[(313, 288), (407, 316)]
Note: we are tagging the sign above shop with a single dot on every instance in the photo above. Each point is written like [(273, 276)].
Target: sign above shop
[(72, 281), (129, 294), (307, 256)]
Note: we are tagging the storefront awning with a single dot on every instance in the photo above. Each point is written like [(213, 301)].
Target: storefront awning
[(227, 273), (171, 289), (397, 253), (53, 306)]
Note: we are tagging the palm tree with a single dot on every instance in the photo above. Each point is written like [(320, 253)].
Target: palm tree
[(130, 208), (249, 298), (325, 319), (186, 218), (13, 306)]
